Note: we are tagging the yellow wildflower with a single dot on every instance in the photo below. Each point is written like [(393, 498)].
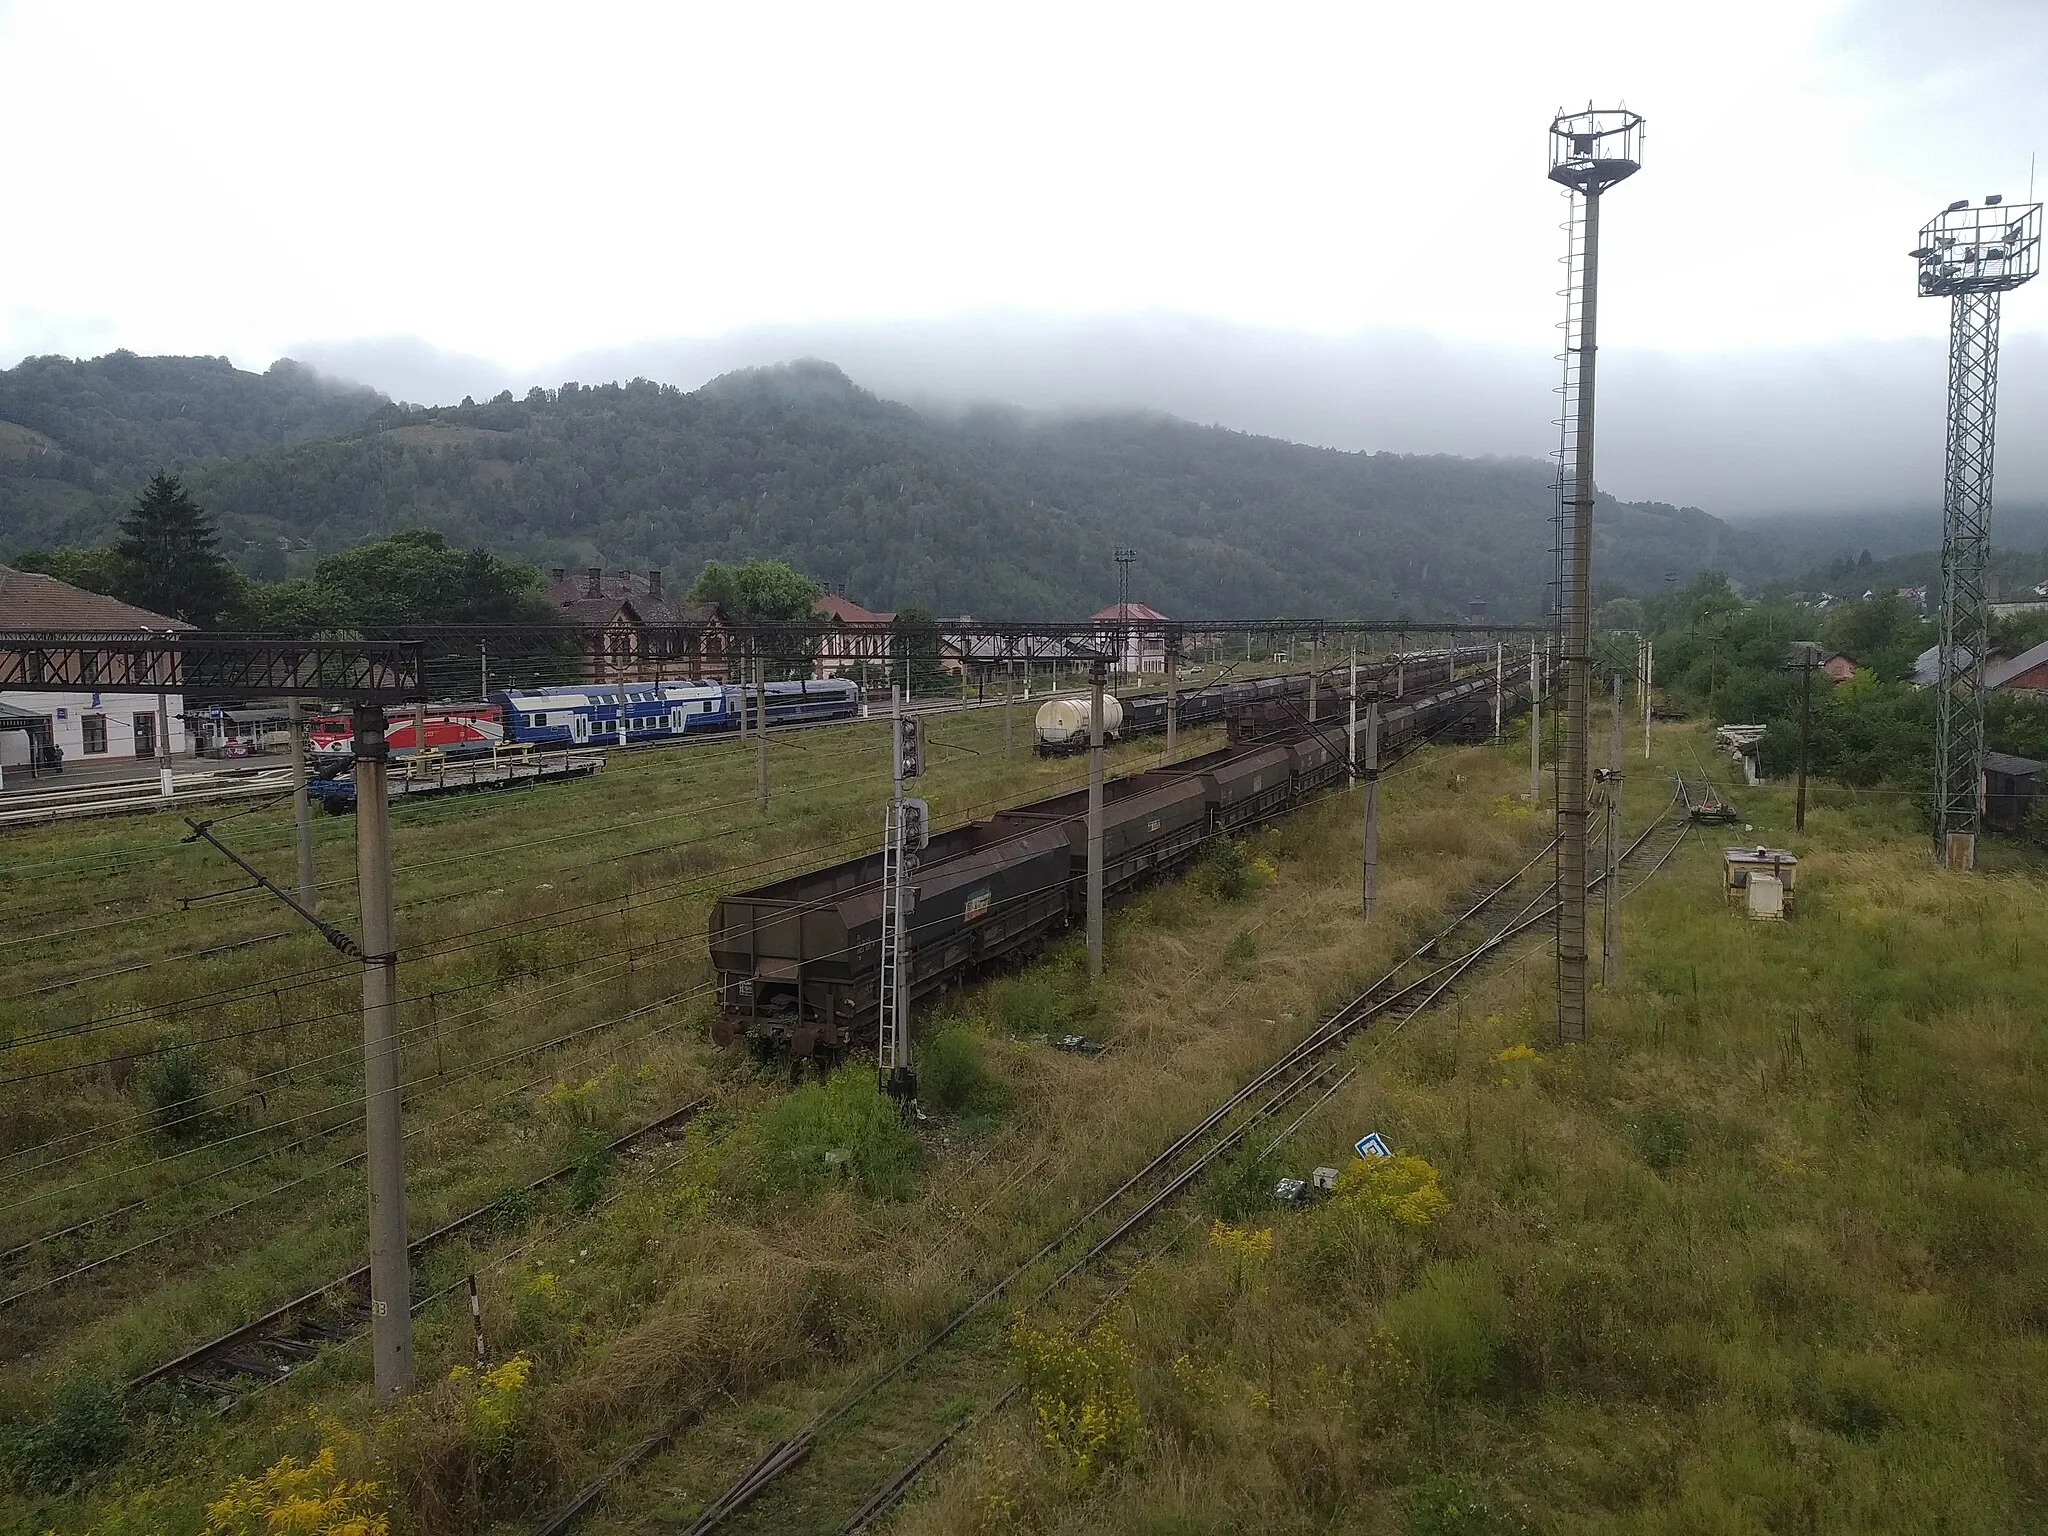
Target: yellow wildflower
[(1404, 1188)]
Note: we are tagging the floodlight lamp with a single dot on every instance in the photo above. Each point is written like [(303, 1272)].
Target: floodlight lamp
[(1966, 250), (1994, 199), (1592, 150)]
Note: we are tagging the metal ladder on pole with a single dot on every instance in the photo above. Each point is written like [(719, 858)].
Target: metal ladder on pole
[(1573, 294), (889, 1054)]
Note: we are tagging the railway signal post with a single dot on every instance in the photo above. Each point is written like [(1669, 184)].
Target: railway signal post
[(390, 1270), (1095, 674)]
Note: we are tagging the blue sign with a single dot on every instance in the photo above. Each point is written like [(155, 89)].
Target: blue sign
[(1370, 1145)]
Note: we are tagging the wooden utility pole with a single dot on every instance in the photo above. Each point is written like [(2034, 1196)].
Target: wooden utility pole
[(309, 890), (1095, 823), (390, 1273)]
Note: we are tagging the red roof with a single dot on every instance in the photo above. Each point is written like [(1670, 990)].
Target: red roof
[(31, 600), (1131, 613), (841, 610)]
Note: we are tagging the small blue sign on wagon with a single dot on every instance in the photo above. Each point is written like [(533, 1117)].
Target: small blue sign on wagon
[(1370, 1145)]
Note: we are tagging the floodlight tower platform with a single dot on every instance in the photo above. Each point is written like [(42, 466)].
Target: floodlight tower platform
[(1590, 152), (1971, 256)]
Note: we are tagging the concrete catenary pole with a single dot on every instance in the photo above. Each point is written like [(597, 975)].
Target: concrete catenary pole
[(1805, 727), (1535, 730), (1009, 699), (1610, 930), (1499, 654), (302, 820), (1172, 697), (1649, 679), (760, 726), (165, 784), (390, 1276), (1351, 724), (1095, 709), (1372, 804)]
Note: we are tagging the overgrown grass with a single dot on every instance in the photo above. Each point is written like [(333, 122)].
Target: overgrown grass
[(1764, 1255), (735, 1282)]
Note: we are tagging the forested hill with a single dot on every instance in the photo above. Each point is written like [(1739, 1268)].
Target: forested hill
[(77, 438), (992, 513)]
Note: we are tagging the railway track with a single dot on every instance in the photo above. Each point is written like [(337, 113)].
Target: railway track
[(269, 1348), (1294, 1085)]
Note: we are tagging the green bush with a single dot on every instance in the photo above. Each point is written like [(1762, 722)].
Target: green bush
[(1448, 1325), (953, 1075), (592, 1160), (841, 1128), (1661, 1138), (1031, 1005), (1241, 955), (84, 1426), (1230, 871), (174, 1085), (1242, 1187)]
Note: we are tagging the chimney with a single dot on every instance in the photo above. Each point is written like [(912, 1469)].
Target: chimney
[(596, 575), (654, 583), (559, 574)]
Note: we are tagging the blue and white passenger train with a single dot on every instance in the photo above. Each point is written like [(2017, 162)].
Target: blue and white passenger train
[(616, 714)]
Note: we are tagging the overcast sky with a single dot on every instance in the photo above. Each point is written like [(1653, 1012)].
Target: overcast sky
[(1328, 222)]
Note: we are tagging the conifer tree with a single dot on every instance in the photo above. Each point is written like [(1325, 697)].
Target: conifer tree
[(170, 562)]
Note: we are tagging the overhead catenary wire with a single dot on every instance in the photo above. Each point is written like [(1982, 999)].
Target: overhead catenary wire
[(540, 1046)]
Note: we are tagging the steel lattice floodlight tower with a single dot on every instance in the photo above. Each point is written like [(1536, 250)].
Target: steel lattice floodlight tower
[(1968, 256), (1590, 151)]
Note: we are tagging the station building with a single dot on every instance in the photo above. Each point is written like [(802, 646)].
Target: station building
[(43, 732)]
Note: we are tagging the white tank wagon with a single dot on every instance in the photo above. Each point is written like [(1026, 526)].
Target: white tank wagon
[(1063, 723)]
